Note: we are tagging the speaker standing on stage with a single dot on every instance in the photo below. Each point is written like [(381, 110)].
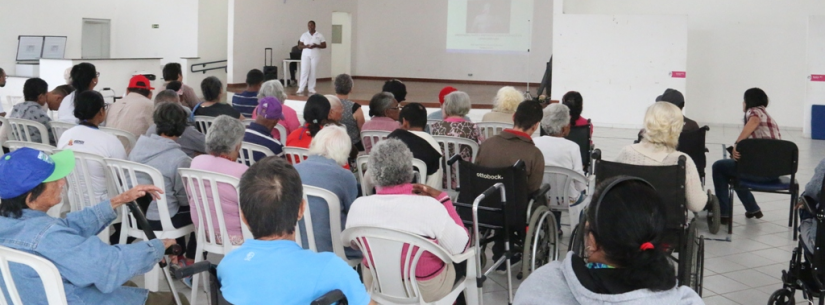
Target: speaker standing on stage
[(311, 42)]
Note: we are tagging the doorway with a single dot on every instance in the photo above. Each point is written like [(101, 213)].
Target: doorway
[(341, 58), (95, 38)]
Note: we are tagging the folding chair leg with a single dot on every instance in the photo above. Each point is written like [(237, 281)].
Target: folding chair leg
[(794, 215), (791, 219)]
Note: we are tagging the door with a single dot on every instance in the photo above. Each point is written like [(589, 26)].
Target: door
[(95, 38), (341, 49)]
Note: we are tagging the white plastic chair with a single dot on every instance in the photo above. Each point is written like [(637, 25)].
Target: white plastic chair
[(248, 150), (20, 130), (46, 148), (447, 142), (48, 273), (373, 136), (124, 174), (58, 128), (203, 123), (491, 129), (559, 197), (295, 155), (125, 137), (81, 193), (361, 169), (282, 134), (203, 193), (334, 206), (422, 170), (394, 285)]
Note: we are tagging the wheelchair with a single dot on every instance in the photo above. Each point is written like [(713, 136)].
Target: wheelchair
[(682, 235), (528, 225)]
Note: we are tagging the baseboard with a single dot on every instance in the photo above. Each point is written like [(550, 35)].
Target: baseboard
[(445, 81)]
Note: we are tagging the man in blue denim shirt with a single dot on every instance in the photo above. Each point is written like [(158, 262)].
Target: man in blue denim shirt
[(92, 271)]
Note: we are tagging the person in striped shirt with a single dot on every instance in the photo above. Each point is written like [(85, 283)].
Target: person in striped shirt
[(245, 102)]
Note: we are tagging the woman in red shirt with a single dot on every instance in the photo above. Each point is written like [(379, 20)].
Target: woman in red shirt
[(316, 113)]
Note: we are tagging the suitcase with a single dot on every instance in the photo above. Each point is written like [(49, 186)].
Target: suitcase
[(270, 71)]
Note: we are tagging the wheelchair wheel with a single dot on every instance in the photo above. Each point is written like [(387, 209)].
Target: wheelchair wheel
[(691, 259), (714, 214), (541, 244), (782, 296), (577, 239)]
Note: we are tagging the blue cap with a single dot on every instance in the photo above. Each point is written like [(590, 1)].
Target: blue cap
[(25, 168)]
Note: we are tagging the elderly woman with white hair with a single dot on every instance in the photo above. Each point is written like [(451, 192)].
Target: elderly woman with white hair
[(663, 124), (414, 208), (336, 109), (274, 88), (504, 105), (456, 106), (223, 145), (384, 110), (557, 150), (328, 152)]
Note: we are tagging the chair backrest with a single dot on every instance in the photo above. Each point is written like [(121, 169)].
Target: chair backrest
[(581, 135), (125, 137), (421, 170), (48, 273), (373, 137), (81, 187), (476, 179), (561, 181), (282, 134), (383, 250), (15, 145), (455, 145), (692, 143), (767, 158), (361, 168), (249, 152), (23, 130), (125, 175), (58, 127), (202, 188), (334, 206), (202, 123), (295, 155), (491, 129)]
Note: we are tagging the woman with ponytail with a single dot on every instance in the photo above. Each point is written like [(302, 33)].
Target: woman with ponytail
[(83, 77), (624, 260), (316, 112)]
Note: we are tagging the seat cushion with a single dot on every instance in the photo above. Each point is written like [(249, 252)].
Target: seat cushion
[(781, 184)]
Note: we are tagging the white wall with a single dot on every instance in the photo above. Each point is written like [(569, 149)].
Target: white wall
[(733, 45)]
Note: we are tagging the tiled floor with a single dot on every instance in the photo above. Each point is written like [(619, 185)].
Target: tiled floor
[(745, 270)]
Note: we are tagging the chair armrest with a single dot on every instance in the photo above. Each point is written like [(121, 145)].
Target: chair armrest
[(469, 253), (541, 193)]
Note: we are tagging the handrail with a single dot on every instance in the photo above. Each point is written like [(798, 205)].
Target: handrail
[(192, 68)]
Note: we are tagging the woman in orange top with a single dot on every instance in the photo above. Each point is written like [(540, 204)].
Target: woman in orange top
[(316, 113)]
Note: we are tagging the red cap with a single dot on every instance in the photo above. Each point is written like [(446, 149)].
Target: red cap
[(444, 92), (140, 82)]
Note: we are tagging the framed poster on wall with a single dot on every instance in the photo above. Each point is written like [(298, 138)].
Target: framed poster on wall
[(29, 47), (54, 47)]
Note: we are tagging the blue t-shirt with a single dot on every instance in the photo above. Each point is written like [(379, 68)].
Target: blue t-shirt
[(280, 272), (245, 102), (259, 134)]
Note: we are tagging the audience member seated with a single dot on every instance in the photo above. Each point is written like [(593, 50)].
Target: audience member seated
[(55, 97), (92, 271), (336, 109), (90, 110), (328, 153), (414, 208), (83, 77), (273, 88), (675, 97), (621, 264), (663, 124), (519, 146), (246, 101), (456, 106), (35, 91), (397, 88), (316, 112), (353, 116), (423, 146), (758, 125), (438, 115), (133, 113), (504, 105), (807, 220), (178, 88), (223, 144), (272, 268), (212, 106), (162, 152), (384, 111), (259, 131), (192, 141), (575, 102), (173, 72)]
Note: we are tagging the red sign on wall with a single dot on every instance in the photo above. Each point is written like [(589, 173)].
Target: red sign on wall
[(678, 74), (817, 78)]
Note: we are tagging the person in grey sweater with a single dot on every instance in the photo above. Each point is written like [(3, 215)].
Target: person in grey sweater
[(161, 152), (192, 141), (807, 222), (621, 264)]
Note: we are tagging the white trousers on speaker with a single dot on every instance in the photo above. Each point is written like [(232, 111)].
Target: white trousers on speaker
[(309, 63)]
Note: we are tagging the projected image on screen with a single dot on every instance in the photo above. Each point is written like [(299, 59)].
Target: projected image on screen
[(490, 16)]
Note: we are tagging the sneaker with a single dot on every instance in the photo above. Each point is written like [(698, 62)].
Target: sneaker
[(187, 281), (757, 214), (502, 269)]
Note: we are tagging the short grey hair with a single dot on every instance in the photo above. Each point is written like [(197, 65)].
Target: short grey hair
[(273, 88), (457, 103), (343, 84), (334, 102), (380, 103), (556, 117), (390, 163), (332, 142), (167, 96), (224, 136)]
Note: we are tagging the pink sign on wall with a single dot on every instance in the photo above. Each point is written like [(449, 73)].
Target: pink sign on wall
[(817, 78), (678, 74)]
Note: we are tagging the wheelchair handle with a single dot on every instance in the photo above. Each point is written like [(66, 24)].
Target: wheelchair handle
[(453, 159), (193, 269), (332, 297)]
